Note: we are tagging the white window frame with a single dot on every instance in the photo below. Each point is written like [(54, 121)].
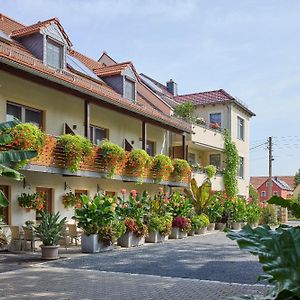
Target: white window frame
[(239, 135), (243, 173), (126, 78), (62, 48)]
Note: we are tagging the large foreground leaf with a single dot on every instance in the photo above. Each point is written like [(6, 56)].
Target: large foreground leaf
[(293, 206), (9, 124), (3, 200), (11, 173), (6, 157), (278, 252)]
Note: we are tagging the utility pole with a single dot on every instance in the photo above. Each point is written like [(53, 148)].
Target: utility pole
[(270, 144)]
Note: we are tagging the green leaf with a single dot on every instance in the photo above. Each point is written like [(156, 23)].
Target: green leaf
[(278, 252), (3, 200), (9, 124), (5, 139), (11, 173), (293, 206), (6, 157)]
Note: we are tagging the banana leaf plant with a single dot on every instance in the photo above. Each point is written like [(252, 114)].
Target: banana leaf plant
[(278, 251), (10, 158)]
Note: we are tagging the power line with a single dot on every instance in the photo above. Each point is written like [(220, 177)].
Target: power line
[(265, 143)]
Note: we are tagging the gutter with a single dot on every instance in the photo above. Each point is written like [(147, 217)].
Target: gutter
[(84, 91)]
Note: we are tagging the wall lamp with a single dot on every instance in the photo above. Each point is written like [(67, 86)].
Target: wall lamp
[(67, 186)]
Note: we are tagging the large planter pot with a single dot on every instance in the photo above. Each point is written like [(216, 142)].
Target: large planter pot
[(201, 230), (220, 226), (104, 247), (176, 233), (90, 243), (191, 233), (50, 252), (211, 226), (129, 239), (236, 225), (155, 237)]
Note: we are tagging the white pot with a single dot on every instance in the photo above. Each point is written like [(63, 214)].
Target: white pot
[(155, 237), (90, 243), (129, 239), (176, 233)]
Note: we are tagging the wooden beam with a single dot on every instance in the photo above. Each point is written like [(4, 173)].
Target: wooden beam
[(87, 119), (184, 154), (144, 135)]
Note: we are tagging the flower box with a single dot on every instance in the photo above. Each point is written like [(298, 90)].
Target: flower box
[(177, 233), (156, 237), (129, 239)]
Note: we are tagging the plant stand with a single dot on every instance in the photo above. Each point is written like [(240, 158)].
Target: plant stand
[(155, 237), (90, 243), (176, 233), (50, 252), (129, 239), (211, 226)]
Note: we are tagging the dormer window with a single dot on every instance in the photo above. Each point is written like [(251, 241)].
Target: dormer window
[(129, 90), (54, 54)]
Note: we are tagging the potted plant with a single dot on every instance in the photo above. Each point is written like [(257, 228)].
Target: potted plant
[(253, 214), (162, 166), (181, 168), (199, 223), (50, 231), (76, 149), (159, 228), (238, 212), (180, 227), (113, 156), (71, 200), (31, 201), (214, 211)]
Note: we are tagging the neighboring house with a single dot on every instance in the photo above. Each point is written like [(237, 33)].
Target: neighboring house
[(215, 110), (281, 186), (45, 81), (296, 192)]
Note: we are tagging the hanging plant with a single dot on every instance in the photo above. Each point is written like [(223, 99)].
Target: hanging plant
[(139, 160), (182, 169), (32, 201), (231, 168), (26, 136), (71, 200), (76, 149), (114, 156), (162, 166)]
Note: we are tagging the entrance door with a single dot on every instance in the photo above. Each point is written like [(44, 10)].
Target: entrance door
[(4, 211), (47, 193)]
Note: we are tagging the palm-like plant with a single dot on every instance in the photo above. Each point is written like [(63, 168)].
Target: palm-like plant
[(10, 158)]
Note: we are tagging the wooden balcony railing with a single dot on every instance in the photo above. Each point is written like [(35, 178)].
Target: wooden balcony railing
[(53, 156)]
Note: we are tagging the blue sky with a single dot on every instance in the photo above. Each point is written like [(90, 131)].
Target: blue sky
[(249, 48)]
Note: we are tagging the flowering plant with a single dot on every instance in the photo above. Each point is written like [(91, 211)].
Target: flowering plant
[(182, 169), (135, 226), (199, 221), (159, 204), (26, 136), (179, 205), (32, 201), (71, 200), (114, 156), (162, 166), (162, 224), (76, 149), (184, 224), (215, 125), (139, 160)]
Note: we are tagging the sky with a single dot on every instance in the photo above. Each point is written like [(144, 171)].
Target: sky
[(249, 48)]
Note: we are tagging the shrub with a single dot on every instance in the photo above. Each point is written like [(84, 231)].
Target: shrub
[(138, 228), (184, 224), (238, 209), (181, 169), (215, 209), (162, 166), (162, 224), (139, 160), (179, 205), (76, 149), (210, 171), (199, 221), (114, 156), (185, 111)]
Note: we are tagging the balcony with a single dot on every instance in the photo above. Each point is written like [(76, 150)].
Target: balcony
[(217, 181), (53, 160)]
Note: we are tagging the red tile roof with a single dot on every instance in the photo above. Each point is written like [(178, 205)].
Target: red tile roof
[(257, 181), (27, 30), (20, 57), (112, 70)]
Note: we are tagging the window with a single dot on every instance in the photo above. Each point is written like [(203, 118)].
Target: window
[(129, 89), (275, 193), (263, 194), (192, 158), (150, 148), (215, 118), (241, 168), (24, 114), (215, 160), (97, 134), (54, 53), (240, 128)]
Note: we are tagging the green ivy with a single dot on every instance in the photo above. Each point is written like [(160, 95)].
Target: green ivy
[(231, 169), (185, 111)]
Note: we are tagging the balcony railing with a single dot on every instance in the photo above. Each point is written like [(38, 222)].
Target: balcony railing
[(53, 159)]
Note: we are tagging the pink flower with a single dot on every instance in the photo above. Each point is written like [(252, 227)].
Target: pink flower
[(123, 191), (133, 193), (167, 195)]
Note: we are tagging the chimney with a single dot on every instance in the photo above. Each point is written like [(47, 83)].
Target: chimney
[(172, 87)]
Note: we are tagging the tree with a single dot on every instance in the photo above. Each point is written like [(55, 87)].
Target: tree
[(253, 194), (185, 111), (297, 177), (10, 158)]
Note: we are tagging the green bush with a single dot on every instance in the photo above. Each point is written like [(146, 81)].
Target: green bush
[(199, 221), (162, 166), (76, 149), (181, 168), (210, 171)]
